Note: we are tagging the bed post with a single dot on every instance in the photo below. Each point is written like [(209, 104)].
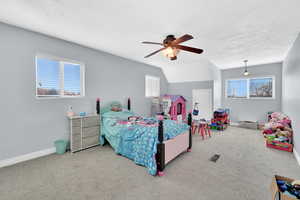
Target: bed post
[(128, 104), (98, 106), (190, 132), (160, 155)]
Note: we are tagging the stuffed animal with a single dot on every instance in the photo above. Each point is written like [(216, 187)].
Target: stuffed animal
[(288, 129)]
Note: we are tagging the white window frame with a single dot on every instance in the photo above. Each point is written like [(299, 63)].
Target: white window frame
[(152, 77), (273, 88), (248, 88), (234, 79), (62, 62)]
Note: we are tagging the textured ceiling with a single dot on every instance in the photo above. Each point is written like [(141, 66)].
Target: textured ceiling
[(229, 31)]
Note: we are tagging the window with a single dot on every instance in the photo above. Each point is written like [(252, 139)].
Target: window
[(250, 88), (261, 88), (237, 88), (59, 77), (152, 86)]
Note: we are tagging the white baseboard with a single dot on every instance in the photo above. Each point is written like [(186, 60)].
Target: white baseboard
[(297, 156), (29, 156)]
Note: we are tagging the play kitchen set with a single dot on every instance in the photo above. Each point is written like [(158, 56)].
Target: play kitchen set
[(284, 188), (278, 132)]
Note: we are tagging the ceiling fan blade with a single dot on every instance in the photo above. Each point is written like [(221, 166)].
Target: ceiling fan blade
[(181, 39), (152, 43), (191, 49), (155, 52)]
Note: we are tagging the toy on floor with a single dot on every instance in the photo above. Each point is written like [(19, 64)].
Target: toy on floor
[(220, 120), (174, 106), (278, 132), (290, 189)]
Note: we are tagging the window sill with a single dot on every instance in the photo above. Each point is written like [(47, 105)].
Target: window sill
[(58, 97), (253, 98)]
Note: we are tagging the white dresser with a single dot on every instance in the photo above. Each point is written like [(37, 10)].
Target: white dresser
[(85, 132)]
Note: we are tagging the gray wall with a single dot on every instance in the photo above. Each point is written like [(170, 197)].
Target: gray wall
[(253, 109), (291, 89), (29, 124), (185, 89)]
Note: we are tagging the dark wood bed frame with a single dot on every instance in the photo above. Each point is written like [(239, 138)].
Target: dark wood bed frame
[(161, 146)]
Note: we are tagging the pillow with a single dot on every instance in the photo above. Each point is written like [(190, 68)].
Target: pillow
[(116, 107)]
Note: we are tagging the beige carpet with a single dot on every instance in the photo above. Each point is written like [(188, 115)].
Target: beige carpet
[(244, 171)]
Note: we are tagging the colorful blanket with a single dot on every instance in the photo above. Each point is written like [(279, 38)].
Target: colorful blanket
[(137, 141)]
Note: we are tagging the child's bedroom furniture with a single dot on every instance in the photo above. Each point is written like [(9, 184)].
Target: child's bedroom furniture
[(204, 129), (85, 131), (174, 106), (147, 141)]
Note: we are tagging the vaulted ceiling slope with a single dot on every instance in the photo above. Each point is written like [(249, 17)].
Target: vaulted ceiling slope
[(229, 30)]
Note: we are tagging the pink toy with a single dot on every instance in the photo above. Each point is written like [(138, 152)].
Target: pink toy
[(176, 106)]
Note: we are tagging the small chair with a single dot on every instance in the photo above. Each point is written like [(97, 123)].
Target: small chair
[(195, 126), (204, 128)]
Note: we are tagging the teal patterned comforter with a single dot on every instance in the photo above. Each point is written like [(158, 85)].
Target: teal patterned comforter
[(137, 141)]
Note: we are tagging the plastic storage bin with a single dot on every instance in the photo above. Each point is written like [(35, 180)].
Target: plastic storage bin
[(61, 146)]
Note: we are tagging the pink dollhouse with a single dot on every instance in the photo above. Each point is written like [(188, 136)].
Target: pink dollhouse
[(174, 106)]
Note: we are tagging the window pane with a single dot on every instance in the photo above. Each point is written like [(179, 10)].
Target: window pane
[(72, 80), (152, 86), (262, 87), (237, 88), (47, 77)]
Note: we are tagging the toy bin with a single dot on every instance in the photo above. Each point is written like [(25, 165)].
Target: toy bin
[(280, 145), (61, 146)]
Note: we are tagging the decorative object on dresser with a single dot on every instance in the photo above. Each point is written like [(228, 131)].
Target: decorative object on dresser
[(70, 112), (84, 132)]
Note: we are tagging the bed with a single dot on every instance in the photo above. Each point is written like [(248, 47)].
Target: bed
[(148, 142)]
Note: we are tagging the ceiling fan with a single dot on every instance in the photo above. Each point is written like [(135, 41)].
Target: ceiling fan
[(171, 46)]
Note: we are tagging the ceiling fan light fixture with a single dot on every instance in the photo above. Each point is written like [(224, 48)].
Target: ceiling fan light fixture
[(171, 52), (246, 73), (171, 46)]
